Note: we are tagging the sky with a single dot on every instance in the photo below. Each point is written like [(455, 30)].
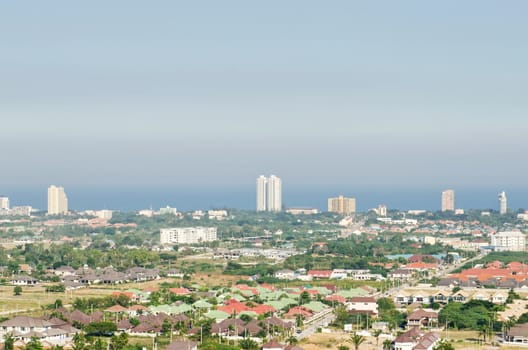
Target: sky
[(376, 93)]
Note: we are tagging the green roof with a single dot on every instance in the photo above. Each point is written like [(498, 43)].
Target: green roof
[(217, 315), (315, 306), (203, 304), (322, 290), (282, 303), (171, 309), (350, 293)]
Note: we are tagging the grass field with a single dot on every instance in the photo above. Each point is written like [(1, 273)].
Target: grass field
[(34, 298)]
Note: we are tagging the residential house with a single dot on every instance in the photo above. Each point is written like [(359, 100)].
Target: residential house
[(23, 280), (175, 273), (517, 335), (320, 274), (401, 274), (23, 328), (414, 339), (422, 318), (363, 305), (284, 274), (499, 297)]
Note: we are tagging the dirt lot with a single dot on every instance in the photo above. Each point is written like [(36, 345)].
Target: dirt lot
[(333, 340), (462, 340)]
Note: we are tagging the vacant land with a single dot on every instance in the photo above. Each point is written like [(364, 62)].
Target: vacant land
[(35, 298)]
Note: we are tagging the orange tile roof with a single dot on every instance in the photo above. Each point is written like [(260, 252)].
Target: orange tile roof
[(180, 291)]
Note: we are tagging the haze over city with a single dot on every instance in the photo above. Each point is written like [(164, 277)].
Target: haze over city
[(212, 94)]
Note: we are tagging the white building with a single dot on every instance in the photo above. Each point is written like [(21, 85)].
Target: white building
[(4, 203), (21, 211), (104, 214), (269, 193), (187, 235), (57, 201), (262, 184), (302, 211), (503, 203), (513, 241), (448, 200), (217, 214), (168, 211), (274, 193), (363, 305)]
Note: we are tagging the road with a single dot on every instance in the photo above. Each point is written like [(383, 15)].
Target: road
[(312, 328)]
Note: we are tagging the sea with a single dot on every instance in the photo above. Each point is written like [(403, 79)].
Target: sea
[(194, 197)]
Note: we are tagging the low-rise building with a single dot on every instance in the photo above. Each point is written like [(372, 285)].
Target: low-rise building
[(187, 235)]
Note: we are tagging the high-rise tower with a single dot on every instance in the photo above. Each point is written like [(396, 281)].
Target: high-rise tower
[(4, 203), (262, 185), (269, 193), (342, 205), (448, 200), (57, 201), (274, 193), (503, 203)]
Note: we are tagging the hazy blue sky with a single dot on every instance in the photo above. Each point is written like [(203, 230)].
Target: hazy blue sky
[(218, 92)]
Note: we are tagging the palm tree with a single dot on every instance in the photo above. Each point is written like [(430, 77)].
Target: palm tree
[(292, 340), (9, 342), (387, 344), (357, 340), (376, 333), (33, 344), (482, 334)]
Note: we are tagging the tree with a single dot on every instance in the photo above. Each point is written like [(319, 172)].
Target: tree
[(79, 342), (304, 298), (100, 328), (248, 344), (33, 344), (119, 342), (376, 333), (444, 345), (292, 340), (387, 344), (357, 340), (17, 290), (9, 342), (99, 344)]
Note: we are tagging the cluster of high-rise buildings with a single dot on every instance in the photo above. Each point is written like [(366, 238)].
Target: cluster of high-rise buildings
[(269, 193), (448, 201)]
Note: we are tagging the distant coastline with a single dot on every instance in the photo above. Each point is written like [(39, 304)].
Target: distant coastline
[(129, 198)]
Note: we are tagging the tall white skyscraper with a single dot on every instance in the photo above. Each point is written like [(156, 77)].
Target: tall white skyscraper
[(274, 193), (262, 185), (503, 203), (57, 201), (448, 200), (4, 203), (269, 193)]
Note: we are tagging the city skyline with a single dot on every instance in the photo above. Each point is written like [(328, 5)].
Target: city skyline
[(310, 97), (144, 197)]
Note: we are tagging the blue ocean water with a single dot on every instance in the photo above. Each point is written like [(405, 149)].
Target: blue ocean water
[(127, 198)]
